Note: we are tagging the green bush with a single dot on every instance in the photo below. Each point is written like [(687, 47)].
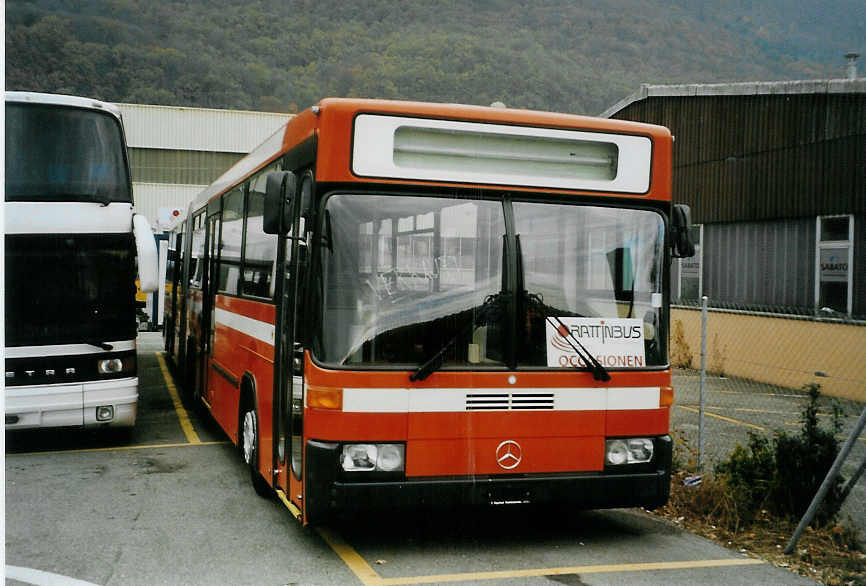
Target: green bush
[(784, 478), (750, 477), (802, 463)]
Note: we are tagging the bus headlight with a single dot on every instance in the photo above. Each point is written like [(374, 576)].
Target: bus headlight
[(634, 450), (110, 366), (390, 457), (373, 457), (117, 365)]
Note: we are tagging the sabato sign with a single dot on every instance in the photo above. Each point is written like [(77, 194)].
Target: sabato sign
[(614, 342)]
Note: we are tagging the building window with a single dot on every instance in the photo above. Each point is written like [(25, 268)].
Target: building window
[(691, 281), (833, 264)]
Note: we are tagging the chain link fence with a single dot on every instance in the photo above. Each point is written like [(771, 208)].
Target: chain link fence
[(756, 366)]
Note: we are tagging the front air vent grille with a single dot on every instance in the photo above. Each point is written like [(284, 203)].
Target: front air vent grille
[(509, 402)]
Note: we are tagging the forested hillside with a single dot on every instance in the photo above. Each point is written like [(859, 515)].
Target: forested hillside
[(283, 55)]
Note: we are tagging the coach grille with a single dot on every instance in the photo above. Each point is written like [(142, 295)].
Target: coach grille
[(509, 401)]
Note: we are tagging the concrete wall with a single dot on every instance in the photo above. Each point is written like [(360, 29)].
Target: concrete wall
[(781, 350)]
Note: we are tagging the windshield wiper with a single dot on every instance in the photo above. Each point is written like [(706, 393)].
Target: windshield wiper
[(98, 344), (599, 372), (490, 311), (65, 196)]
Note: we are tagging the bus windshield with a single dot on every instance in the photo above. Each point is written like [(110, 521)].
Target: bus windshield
[(64, 154), (403, 278)]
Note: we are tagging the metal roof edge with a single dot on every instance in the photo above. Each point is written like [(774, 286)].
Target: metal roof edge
[(639, 95), (123, 105), (166, 185), (746, 88)]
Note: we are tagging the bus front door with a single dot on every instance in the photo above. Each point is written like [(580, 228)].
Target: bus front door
[(289, 379), (209, 289)]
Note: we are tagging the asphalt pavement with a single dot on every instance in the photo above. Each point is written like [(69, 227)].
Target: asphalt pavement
[(172, 504)]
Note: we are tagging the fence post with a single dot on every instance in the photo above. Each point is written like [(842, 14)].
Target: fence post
[(703, 383), (828, 482), (846, 488)]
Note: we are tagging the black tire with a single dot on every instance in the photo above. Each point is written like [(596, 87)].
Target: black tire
[(248, 441)]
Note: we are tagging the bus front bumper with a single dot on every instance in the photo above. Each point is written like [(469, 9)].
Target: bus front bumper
[(72, 405), (327, 494)]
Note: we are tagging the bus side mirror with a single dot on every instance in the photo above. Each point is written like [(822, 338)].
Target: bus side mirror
[(681, 242), (148, 261), (279, 189)]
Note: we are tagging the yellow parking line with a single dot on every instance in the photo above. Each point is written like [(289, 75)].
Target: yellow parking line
[(723, 418), (359, 566), (117, 448), (753, 426), (580, 570), (185, 424), (369, 577)]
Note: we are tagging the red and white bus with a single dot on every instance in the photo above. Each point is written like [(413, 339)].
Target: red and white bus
[(395, 304)]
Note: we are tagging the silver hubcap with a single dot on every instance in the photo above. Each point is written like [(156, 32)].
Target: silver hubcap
[(249, 434)]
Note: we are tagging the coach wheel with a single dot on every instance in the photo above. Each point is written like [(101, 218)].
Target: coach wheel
[(250, 450)]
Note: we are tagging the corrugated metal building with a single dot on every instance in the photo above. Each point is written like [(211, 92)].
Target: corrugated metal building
[(775, 174), (176, 152)]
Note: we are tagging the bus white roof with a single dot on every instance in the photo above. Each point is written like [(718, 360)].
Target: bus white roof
[(63, 100)]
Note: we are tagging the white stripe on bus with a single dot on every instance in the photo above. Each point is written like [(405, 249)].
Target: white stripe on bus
[(254, 328), (23, 217), (461, 400)]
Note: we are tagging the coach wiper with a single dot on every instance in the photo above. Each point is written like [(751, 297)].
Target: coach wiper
[(98, 344), (599, 372), (491, 310)]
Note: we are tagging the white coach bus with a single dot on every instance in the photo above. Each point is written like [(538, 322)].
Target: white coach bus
[(70, 265)]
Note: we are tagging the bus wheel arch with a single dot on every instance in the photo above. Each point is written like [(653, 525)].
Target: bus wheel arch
[(248, 435)]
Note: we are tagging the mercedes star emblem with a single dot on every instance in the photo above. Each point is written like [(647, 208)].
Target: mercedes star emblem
[(508, 455)]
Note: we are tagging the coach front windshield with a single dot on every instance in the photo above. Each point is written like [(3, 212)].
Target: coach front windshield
[(406, 280), (57, 153)]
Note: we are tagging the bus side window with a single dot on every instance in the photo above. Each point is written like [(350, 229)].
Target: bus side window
[(195, 264), (260, 250), (230, 241)]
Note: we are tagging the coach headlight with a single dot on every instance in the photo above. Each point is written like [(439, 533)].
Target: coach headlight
[(117, 365), (372, 457), (110, 366), (634, 450)]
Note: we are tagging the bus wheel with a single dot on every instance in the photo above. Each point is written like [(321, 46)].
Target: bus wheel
[(249, 441)]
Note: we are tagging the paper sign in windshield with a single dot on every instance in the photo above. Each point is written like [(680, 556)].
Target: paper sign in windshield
[(614, 342)]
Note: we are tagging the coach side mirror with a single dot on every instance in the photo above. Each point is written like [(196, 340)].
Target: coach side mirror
[(148, 259), (681, 242), (279, 189)]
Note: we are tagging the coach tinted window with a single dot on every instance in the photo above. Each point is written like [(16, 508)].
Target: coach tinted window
[(64, 154)]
